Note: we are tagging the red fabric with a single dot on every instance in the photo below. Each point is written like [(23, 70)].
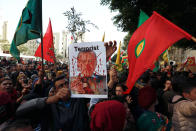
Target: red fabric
[(48, 46), (152, 67), (4, 98), (158, 34), (13, 96), (190, 61), (108, 116), (146, 97)]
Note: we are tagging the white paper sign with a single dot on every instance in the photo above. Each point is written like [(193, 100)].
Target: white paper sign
[(88, 73)]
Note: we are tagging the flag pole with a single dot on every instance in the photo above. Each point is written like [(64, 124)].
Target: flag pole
[(193, 38), (42, 54)]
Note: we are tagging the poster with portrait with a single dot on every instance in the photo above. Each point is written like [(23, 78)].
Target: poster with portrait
[(87, 70)]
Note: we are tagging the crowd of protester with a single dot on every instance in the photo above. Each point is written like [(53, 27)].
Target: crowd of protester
[(33, 100)]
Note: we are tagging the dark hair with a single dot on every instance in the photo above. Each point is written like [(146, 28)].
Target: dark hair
[(123, 75), (120, 99), (25, 81), (4, 79), (145, 77), (188, 86), (18, 124), (122, 86), (180, 84), (59, 78), (177, 83)]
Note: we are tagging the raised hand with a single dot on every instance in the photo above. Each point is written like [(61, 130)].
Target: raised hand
[(62, 94), (110, 48)]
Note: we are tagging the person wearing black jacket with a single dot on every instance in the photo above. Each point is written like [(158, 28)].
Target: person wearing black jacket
[(57, 112)]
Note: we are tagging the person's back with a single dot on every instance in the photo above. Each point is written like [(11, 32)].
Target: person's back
[(184, 110)]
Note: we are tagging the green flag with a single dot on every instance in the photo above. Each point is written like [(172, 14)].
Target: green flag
[(142, 18), (29, 26), (156, 68)]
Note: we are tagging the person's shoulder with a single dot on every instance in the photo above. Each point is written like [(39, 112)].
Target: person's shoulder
[(178, 100)]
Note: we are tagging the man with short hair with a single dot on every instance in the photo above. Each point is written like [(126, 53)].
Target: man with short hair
[(184, 111), (166, 98), (58, 112), (88, 81)]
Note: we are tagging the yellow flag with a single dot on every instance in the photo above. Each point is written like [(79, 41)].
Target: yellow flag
[(118, 55), (103, 37), (165, 56)]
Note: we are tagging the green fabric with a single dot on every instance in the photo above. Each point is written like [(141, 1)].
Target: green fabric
[(156, 67), (164, 52), (151, 121), (31, 20), (142, 18)]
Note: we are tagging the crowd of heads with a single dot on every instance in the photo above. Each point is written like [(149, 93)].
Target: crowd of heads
[(20, 82)]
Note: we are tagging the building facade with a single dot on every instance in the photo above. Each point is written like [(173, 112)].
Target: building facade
[(56, 41), (4, 33)]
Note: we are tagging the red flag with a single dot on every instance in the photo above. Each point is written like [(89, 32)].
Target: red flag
[(152, 38), (71, 37), (190, 61), (48, 45)]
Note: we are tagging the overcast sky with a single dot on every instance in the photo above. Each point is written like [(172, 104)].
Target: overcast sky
[(10, 10)]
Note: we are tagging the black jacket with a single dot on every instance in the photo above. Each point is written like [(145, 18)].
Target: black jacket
[(70, 116)]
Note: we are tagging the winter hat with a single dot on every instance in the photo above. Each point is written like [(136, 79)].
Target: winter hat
[(146, 97), (108, 116)]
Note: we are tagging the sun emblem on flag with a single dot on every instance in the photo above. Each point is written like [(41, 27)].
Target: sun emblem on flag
[(139, 48)]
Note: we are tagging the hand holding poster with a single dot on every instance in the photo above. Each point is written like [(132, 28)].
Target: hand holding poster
[(88, 70)]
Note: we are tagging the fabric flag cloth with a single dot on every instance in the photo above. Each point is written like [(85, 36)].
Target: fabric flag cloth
[(103, 38), (148, 42), (48, 50), (190, 61), (29, 26), (142, 18), (118, 61), (165, 56), (156, 66), (118, 55), (124, 61)]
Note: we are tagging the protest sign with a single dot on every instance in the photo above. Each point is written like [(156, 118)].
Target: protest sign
[(88, 73)]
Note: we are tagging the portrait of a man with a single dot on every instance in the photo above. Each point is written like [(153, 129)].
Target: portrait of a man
[(88, 79)]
